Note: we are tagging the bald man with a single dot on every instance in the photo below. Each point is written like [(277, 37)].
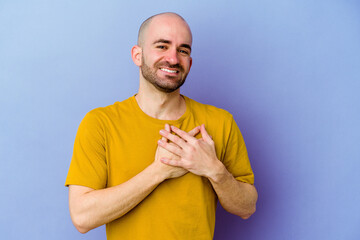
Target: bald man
[(153, 166)]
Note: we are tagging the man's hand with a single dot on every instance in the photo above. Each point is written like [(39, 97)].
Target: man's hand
[(162, 153), (195, 155), (199, 157)]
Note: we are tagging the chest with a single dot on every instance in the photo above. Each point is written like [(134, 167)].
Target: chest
[(131, 147)]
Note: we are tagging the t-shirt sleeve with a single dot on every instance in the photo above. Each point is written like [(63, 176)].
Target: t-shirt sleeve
[(236, 158), (88, 164)]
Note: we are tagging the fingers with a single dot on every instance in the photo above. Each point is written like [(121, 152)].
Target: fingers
[(194, 131), (166, 135), (183, 135), (175, 139), (167, 128), (174, 163), (204, 134), (170, 147)]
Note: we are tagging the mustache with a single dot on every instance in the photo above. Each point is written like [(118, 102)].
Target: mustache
[(168, 65)]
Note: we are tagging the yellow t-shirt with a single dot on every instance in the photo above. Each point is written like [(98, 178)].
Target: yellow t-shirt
[(116, 142)]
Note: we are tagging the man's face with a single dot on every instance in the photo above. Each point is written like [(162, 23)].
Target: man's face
[(166, 53)]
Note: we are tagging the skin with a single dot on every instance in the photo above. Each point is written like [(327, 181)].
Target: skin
[(157, 54), (199, 157), (165, 45), (91, 208)]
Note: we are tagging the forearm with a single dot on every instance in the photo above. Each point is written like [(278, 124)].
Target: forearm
[(198, 156), (236, 197), (94, 208)]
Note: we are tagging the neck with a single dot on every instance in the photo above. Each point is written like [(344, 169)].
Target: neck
[(160, 105)]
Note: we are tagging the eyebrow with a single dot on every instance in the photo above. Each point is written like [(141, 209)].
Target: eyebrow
[(168, 42)]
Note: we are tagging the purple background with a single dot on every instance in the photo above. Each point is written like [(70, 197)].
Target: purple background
[(288, 71)]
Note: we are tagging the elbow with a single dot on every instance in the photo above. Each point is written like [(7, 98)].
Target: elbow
[(80, 224), (248, 214), (251, 208), (244, 213), (79, 205), (81, 229)]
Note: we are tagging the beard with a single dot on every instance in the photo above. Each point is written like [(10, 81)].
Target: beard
[(168, 85)]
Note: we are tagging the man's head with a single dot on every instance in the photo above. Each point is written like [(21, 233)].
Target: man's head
[(163, 51)]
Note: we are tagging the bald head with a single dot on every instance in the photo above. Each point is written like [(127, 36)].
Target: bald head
[(145, 25)]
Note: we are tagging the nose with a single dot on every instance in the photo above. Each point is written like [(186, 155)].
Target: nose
[(172, 56)]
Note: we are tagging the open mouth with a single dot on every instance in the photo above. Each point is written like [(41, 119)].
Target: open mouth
[(169, 70)]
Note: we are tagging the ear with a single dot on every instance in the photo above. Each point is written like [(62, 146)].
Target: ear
[(136, 53)]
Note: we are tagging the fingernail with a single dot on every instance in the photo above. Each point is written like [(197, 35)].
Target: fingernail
[(162, 131)]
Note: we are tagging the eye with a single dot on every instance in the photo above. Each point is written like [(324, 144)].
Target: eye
[(184, 52), (161, 47)]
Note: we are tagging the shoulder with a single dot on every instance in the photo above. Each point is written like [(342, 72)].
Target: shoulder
[(112, 110), (110, 113), (209, 112)]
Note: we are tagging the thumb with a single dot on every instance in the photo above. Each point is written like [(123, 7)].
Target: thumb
[(204, 134), (167, 128)]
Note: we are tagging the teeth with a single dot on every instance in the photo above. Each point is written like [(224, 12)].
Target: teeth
[(168, 70)]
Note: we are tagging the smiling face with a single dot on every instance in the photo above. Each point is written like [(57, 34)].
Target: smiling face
[(165, 56)]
